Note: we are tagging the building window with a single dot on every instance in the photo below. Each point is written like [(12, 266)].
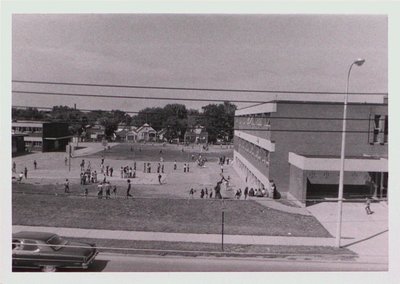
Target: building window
[(380, 129)]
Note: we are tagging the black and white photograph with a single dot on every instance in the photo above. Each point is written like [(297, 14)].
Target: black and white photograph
[(198, 142)]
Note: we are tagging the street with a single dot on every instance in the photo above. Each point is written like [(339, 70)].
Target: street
[(107, 262)]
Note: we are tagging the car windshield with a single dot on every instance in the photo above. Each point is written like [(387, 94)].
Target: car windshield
[(57, 242)]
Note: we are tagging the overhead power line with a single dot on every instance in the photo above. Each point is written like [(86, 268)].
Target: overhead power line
[(169, 98), (188, 88)]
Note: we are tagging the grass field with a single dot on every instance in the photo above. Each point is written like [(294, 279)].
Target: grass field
[(161, 215), (170, 153)]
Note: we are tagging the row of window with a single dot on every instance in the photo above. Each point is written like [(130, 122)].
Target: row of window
[(258, 153), (256, 120), (20, 129)]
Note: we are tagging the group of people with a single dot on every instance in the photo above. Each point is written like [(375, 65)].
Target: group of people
[(204, 193), (128, 172), (104, 190), (222, 160)]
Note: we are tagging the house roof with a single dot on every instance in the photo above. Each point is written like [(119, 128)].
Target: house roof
[(145, 127)]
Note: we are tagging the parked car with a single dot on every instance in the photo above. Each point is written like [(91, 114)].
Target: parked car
[(48, 251)]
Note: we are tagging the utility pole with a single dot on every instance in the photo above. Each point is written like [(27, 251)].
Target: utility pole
[(70, 156)]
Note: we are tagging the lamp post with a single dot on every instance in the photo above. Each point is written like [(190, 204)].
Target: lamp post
[(357, 62)]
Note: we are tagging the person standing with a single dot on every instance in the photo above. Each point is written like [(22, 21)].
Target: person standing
[(202, 193), (100, 191), (134, 165), (26, 173), (159, 178), (206, 192), (191, 193), (184, 167), (115, 191), (66, 186), (246, 192), (107, 170), (187, 170), (144, 167), (128, 190), (162, 168), (111, 171), (108, 190), (175, 166), (21, 175), (66, 161), (34, 164)]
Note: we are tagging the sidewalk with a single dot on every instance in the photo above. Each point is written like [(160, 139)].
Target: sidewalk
[(180, 237)]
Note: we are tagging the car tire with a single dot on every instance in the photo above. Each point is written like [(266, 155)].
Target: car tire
[(49, 268)]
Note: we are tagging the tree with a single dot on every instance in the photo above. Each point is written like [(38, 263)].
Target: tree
[(219, 120)]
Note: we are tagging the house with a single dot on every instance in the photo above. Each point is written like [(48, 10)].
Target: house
[(146, 133), (161, 134), (42, 136), (296, 142), (95, 132), (197, 134)]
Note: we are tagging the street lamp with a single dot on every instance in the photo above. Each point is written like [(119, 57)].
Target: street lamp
[(357, 62)]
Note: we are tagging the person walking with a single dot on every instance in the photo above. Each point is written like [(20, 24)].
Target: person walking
[(367, 206), (128, 190), (26, 173), (34, 164)]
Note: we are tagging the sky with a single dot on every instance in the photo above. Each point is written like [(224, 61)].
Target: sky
[(266, 52)]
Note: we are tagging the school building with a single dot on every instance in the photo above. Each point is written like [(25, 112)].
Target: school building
[(295, 140), (43, 136)]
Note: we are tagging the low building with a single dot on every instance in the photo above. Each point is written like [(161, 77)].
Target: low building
[(197, 135), (43, 136), (296, 142)]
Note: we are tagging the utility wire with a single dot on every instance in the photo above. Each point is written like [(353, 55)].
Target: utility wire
[(170, 98), (186, 88)]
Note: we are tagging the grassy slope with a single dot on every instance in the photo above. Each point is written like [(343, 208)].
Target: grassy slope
[(163, 215)]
